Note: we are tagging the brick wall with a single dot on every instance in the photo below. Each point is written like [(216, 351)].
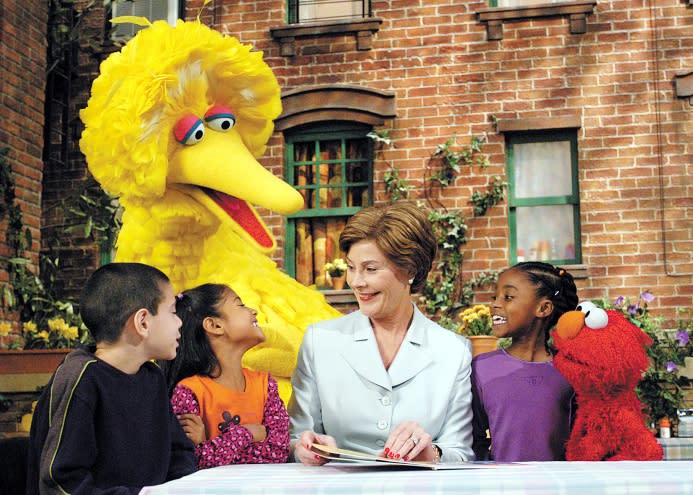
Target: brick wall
[(65, 175), (635, 147), (635, 155), (22, 89)]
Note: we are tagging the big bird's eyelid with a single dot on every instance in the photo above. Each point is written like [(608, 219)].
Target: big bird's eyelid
[(220, 118), (189, 130)]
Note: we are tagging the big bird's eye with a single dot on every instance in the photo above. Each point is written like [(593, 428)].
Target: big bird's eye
[(220, 118), (189, 130), (595, 317)]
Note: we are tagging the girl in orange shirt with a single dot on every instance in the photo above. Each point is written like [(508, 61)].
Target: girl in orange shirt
[(233, 415)]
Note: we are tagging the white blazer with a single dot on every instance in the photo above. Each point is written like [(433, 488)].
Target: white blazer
[(341, 387)]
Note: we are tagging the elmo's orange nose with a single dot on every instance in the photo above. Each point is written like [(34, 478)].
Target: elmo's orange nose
[(570, 324)]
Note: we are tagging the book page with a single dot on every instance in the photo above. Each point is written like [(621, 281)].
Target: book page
[(356, 458)]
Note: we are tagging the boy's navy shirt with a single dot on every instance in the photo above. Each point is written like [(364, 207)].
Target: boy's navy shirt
[(99, 430)]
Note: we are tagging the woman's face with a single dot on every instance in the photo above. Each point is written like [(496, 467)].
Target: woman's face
[(381, 288)]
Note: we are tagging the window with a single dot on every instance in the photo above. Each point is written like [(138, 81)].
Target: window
[(305, 11), (332, 169), (503, 11), (544, 205), (521, 3), (153, 10)]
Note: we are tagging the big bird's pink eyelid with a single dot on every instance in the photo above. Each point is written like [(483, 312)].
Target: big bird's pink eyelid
[(185, 129), (220, 118)]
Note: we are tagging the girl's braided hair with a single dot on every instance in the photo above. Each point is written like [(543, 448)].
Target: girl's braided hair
[(554, 283)]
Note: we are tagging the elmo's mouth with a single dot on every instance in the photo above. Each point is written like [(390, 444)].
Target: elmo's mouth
[(241, 212)]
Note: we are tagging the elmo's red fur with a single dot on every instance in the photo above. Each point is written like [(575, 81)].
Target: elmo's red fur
[(604, 366)]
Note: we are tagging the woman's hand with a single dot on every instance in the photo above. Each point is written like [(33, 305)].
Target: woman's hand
[(302, 450), (409, 442), (259, 432), (193, 427)]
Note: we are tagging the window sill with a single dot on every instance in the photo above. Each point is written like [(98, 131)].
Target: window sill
[(342, 300), (579, 272), (362, 28), (577, 12)]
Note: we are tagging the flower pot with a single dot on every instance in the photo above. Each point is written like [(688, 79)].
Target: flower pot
[(27, 361), (483, 343), (337, 283)]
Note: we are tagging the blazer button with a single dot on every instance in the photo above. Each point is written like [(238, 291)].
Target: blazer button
[(380, 443), (382, 424), (385, 401)]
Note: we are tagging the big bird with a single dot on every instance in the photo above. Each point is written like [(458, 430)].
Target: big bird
[(173, 127)]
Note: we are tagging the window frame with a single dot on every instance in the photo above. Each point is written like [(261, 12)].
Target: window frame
[(292, 13), (543, 136), (331, 131), (174, 11)]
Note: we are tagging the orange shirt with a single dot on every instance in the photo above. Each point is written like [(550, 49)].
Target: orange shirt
[(215, 399)]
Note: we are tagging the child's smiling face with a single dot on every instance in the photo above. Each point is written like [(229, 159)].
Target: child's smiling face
[(239, 321), (515, 304)]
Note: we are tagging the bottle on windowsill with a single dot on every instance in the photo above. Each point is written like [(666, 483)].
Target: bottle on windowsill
[(664, 428)]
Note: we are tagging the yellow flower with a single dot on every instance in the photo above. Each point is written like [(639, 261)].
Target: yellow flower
[(70, 333), (29, 327), (5, 329), (42, 335), (56, 325)]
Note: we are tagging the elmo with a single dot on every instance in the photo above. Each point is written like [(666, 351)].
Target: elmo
[(603, 357)]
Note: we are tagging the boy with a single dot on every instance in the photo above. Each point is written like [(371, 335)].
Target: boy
[(103, 424)]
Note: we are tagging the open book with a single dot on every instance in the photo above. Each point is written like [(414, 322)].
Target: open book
[(363, 459)]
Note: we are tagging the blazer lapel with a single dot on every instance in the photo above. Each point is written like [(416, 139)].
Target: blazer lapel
[(413, 355), (362, 355)]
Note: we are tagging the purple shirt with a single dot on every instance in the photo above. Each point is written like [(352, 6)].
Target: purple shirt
[(527, 407)]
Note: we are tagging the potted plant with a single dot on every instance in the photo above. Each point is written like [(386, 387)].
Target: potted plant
[(476, 325), (661, 388), (40, 347), (335, 272)]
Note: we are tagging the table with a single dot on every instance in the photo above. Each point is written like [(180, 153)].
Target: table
[(593, 478), (676, 449)]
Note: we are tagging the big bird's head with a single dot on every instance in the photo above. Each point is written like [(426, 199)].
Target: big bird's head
[(187, 110)]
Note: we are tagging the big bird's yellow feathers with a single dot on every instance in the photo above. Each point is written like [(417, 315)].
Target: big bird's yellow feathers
[(187, 207)]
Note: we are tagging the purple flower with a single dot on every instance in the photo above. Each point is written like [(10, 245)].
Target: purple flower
[(671, 366), (633, 309), (619, 301), (647, 296), (683, 337)]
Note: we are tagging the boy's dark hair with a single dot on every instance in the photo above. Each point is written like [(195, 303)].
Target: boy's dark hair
[(554, 283), (195, 355), (114, 292)]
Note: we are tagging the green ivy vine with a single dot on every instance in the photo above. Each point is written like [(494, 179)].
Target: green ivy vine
[(446, 293)]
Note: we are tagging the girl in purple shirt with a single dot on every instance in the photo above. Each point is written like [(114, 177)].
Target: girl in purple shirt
[(523, 402)]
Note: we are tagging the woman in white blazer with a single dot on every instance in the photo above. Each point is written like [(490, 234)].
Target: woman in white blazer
[(384, 380)]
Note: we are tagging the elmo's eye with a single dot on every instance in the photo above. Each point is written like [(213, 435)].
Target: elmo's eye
[(189, 130), (220, 118), (595, 317)]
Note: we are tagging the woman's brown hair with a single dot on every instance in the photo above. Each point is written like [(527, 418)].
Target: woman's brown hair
[(401, 231)]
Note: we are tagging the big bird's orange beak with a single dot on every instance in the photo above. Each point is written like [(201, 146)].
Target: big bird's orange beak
[(221, 165)]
